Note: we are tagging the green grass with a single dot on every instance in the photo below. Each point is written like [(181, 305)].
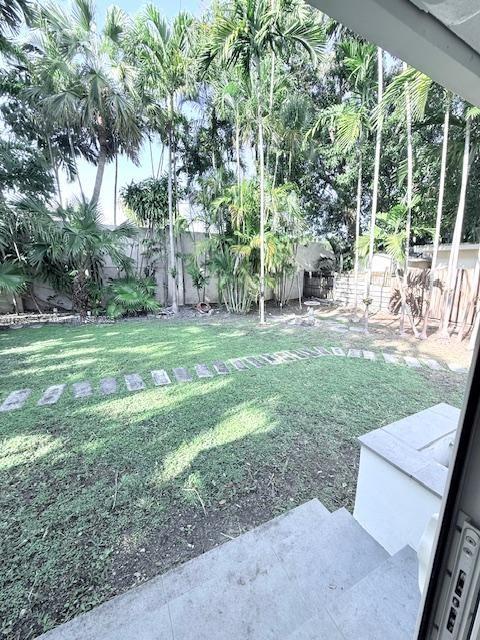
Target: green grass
[(102, 493)]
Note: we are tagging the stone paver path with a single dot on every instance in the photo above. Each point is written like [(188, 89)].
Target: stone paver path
[(82, 389), (432, 364), (52, 394), (413, 362), (108, 386), (391, 358), (15, 400), (203, 371), (160, 377), (134, 382), (182, 374), (221, 368)]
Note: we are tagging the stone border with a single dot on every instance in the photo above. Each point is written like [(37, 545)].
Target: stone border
[(134, 382)]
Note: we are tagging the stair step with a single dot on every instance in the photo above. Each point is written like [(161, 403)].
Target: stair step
[(327, 560), (384, 604), (246, 550), (306, 575)]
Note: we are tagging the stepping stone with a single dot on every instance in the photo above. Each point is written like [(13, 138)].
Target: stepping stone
[(220, 367), (108, 386), (82, 389), (270, 358), (369, 355), (203, 371), (15, 400), (390, 358), (457, 368), (239, 364), (412, 362), (52, 394), (289, 356), (311, 353), (254, 362), (354, 353), (134, 382), (281, 357), (321, 351), (301, 353), (337, 351), (182, 375), (160, 377), (432, 364)]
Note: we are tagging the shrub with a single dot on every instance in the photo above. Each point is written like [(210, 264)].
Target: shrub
[(131, 296)]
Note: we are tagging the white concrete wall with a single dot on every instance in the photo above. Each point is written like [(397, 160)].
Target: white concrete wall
[(307, 258), (391, 506)]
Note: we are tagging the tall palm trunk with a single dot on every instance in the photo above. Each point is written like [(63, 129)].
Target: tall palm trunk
[(172, 270), (261, 162), (357, 223), (54, 163), (237, 150), (115, 192), (376, 178), (438, 222), (102, 160), (74, 158), (457, 236), (408, 114)]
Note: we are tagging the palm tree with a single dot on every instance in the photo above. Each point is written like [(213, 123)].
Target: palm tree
[(408, 93), (82, 83), (438, 222), (162, 53), (376, 178), (245, 33), (471, 113), (73, 245), (351, 120), (12, 14)]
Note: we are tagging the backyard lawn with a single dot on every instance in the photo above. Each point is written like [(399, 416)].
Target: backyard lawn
[(101, 493)]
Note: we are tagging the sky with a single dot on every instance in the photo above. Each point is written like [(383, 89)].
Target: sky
[(127, 171)]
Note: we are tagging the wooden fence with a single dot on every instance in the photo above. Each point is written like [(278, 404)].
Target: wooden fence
[(385, 295)]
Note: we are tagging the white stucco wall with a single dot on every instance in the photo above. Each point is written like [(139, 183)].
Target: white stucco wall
[(391, 506)]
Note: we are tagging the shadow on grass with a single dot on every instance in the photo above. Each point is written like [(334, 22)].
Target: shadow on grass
[(87, 486)]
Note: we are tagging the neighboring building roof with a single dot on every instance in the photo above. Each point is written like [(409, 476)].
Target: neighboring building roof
[(428, 248)]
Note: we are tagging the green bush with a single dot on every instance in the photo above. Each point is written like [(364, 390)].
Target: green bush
[(131, 296)]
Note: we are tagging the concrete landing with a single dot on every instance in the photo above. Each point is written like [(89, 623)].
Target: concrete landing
[(307, 575)]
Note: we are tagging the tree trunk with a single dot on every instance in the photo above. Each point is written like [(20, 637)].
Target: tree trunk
[(102, 159), (172, 270), (237, 151), (376, 177), (408, 114), (54, 163), (457, 236), (261, 162), (115, 191), (438, 223), (357, 226), (74, 158)]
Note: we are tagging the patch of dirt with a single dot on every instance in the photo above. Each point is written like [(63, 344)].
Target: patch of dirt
[(305, 474)]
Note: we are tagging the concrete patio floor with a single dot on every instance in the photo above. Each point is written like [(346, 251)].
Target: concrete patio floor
[(306, 575)]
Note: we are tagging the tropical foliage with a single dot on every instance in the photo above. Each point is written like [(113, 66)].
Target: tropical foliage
[(269, 121)]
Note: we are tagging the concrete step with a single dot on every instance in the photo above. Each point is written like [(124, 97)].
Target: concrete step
[(384, 604), (292, 578), (327, 560)]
